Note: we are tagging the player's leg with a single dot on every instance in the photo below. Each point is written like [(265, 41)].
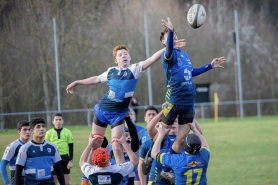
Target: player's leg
[(186, 115), (98, 127), (66, 171), (55, 177), (182, 132), (137, 179), (67, 179), (116, 133)]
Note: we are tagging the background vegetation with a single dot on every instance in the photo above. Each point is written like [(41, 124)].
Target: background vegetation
[(243, 151), (88, 30)]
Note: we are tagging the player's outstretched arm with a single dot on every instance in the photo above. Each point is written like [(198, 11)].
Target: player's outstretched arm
[(196, 131), (216, 63), (18, 173), (59, 172), (88, 81), (131, 155), (3, 169), (151, 125), (157, 144), (92, 145), (198, 127)]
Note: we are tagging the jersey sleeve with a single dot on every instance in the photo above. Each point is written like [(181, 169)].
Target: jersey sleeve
[(144, 150), (57, 156), (205, 153), (9, 153), (168, 159), (69, 138), (103, 77), (124, 168), (87, 169), (22, 155), (136, 69)]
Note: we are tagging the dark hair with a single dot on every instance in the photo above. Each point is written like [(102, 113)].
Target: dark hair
[(192, 144), (56, 114), (151, 108), (162, 34), (22, 123), (36, 121)]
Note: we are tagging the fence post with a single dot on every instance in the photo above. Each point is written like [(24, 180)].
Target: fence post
[(202, 112), (259, 108), (88, 118)]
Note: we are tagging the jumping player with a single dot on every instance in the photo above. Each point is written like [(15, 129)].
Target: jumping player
[(113, 106), (180, 96)]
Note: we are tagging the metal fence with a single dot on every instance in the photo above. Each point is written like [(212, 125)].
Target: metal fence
[(260, 107)]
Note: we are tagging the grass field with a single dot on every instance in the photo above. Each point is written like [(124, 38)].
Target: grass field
[(243, 151)]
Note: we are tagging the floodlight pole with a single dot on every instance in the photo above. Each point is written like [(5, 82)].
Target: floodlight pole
[(150, 93), (57, 66), (238, 66)]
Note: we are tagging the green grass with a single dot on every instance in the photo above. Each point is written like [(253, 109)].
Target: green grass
[(243, 151)]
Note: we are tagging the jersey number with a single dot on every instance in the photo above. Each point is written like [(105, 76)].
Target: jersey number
[(189, 176)]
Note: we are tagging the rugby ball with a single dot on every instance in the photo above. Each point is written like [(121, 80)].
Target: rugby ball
[(196, 16)]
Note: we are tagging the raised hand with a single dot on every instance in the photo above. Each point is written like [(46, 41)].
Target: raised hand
[(96, 142), (161, 130), (70, 88), (216, 63), (179, 43), (168, 24)]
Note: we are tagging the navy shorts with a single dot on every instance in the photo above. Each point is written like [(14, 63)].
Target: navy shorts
[(171, 111)]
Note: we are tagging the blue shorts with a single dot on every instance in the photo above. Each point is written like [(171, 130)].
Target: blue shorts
[(171, 111), (109, 118)]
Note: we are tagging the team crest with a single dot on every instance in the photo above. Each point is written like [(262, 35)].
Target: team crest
[(193, 164), (125, 74), (49, 150)]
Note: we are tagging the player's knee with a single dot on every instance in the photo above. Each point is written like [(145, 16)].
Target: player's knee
[(166, 126)]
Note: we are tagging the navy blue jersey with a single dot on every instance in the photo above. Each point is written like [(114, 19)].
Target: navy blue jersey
[(180, 86), (156, 168), (179, 72), (154, 175), (188, 168), (38, 161), (122, 84)]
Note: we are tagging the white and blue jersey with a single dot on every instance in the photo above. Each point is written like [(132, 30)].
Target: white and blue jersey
[(122, 83), (38, 161), (131, 175), (9, 157), (112, 174)]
